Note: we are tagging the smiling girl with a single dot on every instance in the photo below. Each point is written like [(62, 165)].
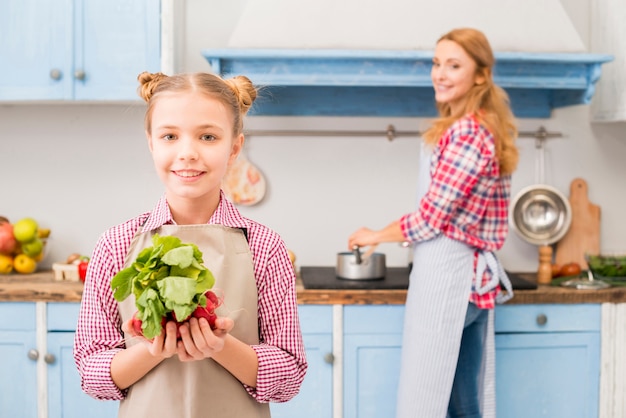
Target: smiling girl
[(467, 158), (194, 125)]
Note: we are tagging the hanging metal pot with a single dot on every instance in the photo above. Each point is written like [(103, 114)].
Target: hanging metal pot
[(540, 214)]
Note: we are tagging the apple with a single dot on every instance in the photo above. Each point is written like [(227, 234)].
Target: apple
[(25, 229), (33, 248), (24, 264), (7, 239), (6, 264)]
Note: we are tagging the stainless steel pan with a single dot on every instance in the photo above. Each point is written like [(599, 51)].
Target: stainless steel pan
[(354, 266)]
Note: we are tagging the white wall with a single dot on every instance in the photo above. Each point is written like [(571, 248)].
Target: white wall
[(79, 169)]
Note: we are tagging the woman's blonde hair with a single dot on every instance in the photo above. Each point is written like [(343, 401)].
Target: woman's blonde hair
[(488, 102), (237, 93)]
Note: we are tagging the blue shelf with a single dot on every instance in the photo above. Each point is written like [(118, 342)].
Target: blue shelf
[(397, 83)]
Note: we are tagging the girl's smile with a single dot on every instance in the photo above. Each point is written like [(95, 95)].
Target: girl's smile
[(192, 144)]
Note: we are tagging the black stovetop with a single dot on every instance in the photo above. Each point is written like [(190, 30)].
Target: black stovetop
[(396, 278), (326, 278)]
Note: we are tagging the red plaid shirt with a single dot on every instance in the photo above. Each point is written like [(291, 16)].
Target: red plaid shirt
[(281, 355), (467, 199)]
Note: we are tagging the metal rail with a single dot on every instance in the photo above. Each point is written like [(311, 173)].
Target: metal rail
[(391, 133)]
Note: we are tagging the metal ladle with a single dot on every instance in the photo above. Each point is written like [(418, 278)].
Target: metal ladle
[(357, 254), (359, 259)]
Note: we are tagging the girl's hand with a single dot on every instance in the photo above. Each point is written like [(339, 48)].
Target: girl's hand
[(198, 341), (163, 345)]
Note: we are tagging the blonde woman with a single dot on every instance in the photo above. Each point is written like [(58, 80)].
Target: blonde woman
[(467, 158)]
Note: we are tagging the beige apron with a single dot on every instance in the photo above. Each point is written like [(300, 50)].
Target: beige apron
[(176, 389)]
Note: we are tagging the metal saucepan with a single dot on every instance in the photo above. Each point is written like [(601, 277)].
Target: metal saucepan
[(354, 266)]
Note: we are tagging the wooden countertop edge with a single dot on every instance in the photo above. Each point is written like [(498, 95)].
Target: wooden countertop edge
[(38, 287), (351, 297), (41, 287)]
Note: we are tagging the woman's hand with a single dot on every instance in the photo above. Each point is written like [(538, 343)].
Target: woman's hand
[(199, 341), (363, 237)]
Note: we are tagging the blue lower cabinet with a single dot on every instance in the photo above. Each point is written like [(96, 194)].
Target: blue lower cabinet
[(371, 353), (547, 361), (18, 360), (315, 398), (65, 397)]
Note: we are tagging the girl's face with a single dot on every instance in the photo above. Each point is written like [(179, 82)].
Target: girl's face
[(453, 74), (192, 144)]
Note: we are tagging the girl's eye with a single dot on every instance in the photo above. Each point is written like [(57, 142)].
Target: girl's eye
[(168, 137), (208, 137)]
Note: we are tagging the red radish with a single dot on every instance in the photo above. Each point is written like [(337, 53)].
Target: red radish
[(208, 312), (209, 315), (136, 324)]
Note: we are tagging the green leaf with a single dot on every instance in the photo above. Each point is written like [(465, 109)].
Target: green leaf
[(205, 282), (178, 290), (181, 257), (166, 242), (122, 283), (167, 277), (152, 313), (182, 312)]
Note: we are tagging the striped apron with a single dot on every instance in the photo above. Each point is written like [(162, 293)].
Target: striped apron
[(437, 298)]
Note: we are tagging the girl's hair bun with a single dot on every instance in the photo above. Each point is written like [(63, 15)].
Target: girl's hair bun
[(148, 83), (244, 90)]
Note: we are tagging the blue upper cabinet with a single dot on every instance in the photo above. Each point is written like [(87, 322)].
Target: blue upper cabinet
[(397, 83), (77, 49)]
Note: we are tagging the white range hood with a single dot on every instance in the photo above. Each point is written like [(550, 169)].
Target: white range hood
[(372, 58), (510, 25)]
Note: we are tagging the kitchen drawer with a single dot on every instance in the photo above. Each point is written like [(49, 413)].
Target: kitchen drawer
[(316, 319), (17, 316), (547, 318), (62, 316), (368, 319)]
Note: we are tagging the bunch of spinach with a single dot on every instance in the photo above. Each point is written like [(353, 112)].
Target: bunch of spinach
[(168, 277)]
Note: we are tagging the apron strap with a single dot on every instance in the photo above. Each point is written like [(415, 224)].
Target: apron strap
[(498, 275)]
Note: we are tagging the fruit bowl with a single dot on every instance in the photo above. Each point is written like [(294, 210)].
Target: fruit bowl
[(608, 266), (27, 262)]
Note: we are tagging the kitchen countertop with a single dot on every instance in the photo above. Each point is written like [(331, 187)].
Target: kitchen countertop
[(38, 287), (42, 287)]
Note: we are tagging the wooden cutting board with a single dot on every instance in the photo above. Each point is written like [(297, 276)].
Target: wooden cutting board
[(583, 235)]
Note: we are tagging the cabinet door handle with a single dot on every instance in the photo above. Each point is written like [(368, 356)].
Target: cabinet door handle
[(542, 319), (79, 75), (49, 358), (329, 358), (33, 354), (55, 74)]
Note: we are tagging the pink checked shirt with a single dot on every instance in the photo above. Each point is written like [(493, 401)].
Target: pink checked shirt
[(467, 199), (282, 361)]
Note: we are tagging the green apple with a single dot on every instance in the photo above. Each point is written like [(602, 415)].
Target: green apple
[(25, 230), (33, 248)]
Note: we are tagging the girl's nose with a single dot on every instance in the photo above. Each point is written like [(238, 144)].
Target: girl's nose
[(187, 150)]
